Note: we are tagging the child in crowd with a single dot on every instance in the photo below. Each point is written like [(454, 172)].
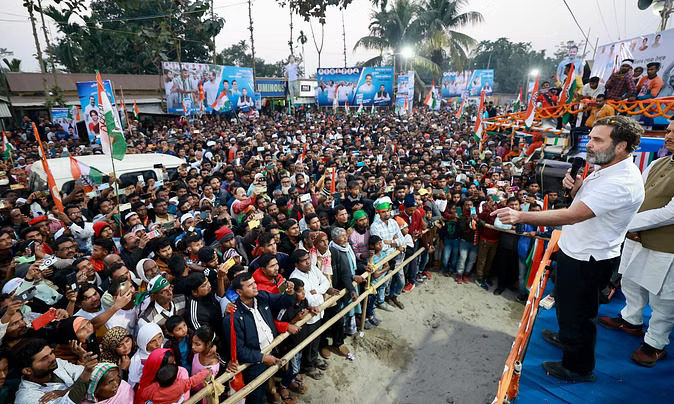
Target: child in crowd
[(376, 247), (179, 341), (205, 353), (168, 389), (291, 379)]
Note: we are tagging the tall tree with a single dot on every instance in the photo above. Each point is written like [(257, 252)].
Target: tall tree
[(252, 40), (319, 48), (441, 19), (30, 6), (130, 36), (13, 65), (512, 62)]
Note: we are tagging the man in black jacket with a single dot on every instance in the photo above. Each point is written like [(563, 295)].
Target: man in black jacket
[(254, 328), (202, 307)]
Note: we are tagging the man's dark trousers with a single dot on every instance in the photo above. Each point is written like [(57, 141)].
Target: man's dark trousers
[(577, 299)]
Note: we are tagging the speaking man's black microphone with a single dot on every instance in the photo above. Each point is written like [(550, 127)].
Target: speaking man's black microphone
[(576, 164)]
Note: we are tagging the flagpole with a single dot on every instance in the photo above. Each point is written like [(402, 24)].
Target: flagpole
[(126, 116)]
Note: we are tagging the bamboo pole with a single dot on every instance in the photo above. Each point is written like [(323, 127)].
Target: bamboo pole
[(271, 371), (194, 398)]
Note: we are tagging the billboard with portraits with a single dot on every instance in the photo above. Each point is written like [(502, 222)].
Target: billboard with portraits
[(366, 85)]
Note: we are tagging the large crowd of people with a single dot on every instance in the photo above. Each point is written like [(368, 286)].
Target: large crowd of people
[(132, 297)]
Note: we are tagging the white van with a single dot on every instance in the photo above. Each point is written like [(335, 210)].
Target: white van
[(128, 169)]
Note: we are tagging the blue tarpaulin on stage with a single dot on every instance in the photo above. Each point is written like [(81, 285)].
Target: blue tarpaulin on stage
[(619, 379)]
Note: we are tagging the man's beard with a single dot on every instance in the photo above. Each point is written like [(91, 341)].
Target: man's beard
[(601, 158)]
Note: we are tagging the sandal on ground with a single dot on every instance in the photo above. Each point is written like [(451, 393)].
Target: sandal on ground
[(321, 364), (274, 398), (287, 398), (299, 379), (297, 387), (314, 373)]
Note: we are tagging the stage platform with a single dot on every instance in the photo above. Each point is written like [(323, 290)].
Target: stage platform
[(619, 379)]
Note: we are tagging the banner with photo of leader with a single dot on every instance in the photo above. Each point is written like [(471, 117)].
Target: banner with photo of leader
[(65, 118), (405, 91), (87, 91), (654, 48), (196, 88), (467, 83), (356, 85)]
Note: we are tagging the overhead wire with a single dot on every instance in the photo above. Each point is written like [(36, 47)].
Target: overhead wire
[(603, 21), (577, 24), (615, 14)]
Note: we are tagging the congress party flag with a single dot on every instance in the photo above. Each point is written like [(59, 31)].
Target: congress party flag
[(479, 125), (531, 108), (113, 142), (6, 147), (53, 189), (88, 174)]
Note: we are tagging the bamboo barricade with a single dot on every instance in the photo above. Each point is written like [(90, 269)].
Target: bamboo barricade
[(207, 390), (508, 385), (271, 371)]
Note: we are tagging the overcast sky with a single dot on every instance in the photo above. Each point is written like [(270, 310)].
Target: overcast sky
[(544, 23)]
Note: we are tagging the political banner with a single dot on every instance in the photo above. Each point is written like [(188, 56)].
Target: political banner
[(467, 83), (405, 91), (87, 91), (355, 86), (657, 47), (65, 118), (200, 88)]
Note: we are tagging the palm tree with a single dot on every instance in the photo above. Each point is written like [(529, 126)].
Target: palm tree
[(441, 19), (13, 65)]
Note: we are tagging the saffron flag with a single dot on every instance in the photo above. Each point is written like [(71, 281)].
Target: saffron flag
[(479, 126), (53, 189), (6, 147), (518, 103), (113, 142), (531, 107), (136, 112), (88, 174), (567, 92)]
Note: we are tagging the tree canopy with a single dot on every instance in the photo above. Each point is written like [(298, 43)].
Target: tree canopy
[(130, 36), (512, 62)]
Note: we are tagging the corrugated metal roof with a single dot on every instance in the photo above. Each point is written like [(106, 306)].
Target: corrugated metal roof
[(35, 101), (32, 82), (4, 110)]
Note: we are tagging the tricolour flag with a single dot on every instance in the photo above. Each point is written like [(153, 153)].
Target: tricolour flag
[(113, 142), (222, 102), (431, 100), (53, 189), (567, 91), (136, 112), (518, 103), (6, 147), (643, 159), (346, 107), (479, 125), (88, 174), (531, 107), (360, 109), (372, 109), (459, 112)]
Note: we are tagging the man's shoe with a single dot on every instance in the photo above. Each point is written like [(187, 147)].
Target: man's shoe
[(408, 287), (342, 350), (557, 370), (325, 352), (397, 302), (552, 338), (498, 291), (489, 283), (427, 274), (477, 281), (374, 320), (618, 323), (484, 285), (384, 306), (522, 298), (646, 355), (368, 325), (459, 278), (419, 279)]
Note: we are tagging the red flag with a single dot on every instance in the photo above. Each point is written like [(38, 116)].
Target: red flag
[(53, 189), (237, 382)]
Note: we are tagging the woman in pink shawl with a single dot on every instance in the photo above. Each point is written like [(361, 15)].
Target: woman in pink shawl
[(107, 387)]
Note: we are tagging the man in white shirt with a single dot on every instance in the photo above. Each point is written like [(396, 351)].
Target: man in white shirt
[(315, 286), (211, 88), (592, 88), (594, 227), (291, 76), (367, 87)]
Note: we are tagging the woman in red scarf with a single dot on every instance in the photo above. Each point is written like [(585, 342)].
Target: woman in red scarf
[(157, 359)]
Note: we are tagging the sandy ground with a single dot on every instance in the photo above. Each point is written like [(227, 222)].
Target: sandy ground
[(448, 345)]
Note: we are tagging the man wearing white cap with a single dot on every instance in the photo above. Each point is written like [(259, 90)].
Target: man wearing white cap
[(620, 85)]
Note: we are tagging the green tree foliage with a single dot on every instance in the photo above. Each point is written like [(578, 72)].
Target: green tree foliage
[(512, 62), (131, 36), (429, 27)]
